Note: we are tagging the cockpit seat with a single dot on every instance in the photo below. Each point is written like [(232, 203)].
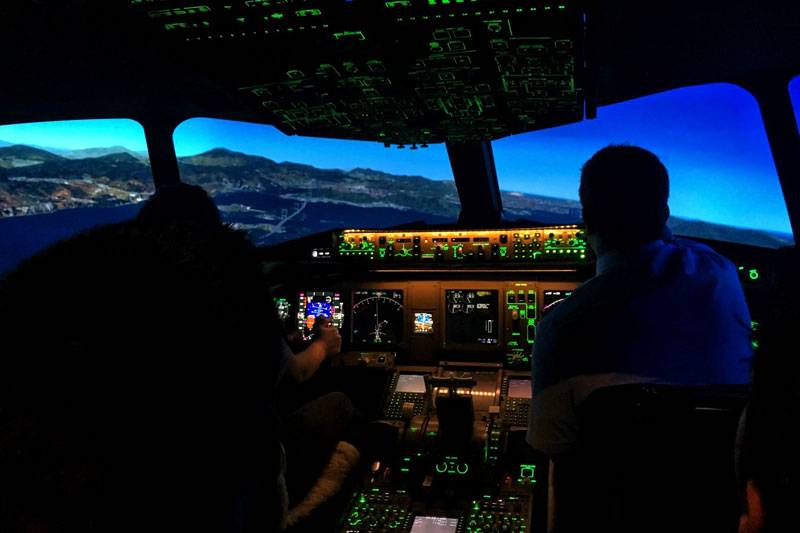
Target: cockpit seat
[(651, 458)]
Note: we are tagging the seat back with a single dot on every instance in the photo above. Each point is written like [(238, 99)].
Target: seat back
[(652, 458)]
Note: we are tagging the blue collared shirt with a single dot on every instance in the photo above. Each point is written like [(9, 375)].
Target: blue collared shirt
[(671, 311)]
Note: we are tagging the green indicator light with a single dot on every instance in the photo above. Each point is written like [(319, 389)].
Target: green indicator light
[(503, 251), (741, 268), (357, 35), (382, 252), (431, 433), (277, 15), (462, 469), (404, 470), (407, 459), (754, 275), (755, 344), (441, 468), (531, 321), (308, 13)]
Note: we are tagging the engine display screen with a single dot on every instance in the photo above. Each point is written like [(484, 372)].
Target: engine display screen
[(552, 299), (377, 317), (434, 524), (312, 304), (410, 383), (423, 323), (471, 316), (519, 388)]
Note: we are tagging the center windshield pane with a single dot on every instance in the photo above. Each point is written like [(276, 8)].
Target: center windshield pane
[(711, 138), (279, 188)]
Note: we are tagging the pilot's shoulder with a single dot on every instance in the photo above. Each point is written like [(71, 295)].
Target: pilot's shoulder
[(702, 258)]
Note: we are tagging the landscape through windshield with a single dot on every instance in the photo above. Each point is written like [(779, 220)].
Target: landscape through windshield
[(279, 188), (58, 178), (711, 138)]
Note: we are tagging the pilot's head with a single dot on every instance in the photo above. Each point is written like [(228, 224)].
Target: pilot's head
[(624, 191), (768, 458), (180, 204)]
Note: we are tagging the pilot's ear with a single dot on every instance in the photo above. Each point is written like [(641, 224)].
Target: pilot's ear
[(752, 521)]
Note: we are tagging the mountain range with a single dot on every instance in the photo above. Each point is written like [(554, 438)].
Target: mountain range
[(276, 201)]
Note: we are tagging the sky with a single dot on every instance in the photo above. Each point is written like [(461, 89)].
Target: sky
[(199, 135), (710, 137), (77, 134)]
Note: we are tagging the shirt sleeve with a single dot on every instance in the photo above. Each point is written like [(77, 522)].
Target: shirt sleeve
[(550, 415), (553, 421)]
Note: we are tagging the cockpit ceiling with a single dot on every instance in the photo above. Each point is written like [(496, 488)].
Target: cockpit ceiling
[(396, 71)]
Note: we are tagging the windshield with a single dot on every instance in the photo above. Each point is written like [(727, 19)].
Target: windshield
[(58, 178), (279, 188), (711, 138)]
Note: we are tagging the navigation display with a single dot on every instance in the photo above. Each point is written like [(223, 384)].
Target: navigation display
[(519, 388), (434, 524), (410, 383), (552, 299), (423, 323), (471, 316), (377, 317), (312, 304)]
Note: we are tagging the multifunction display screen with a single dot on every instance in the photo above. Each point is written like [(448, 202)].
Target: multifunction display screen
[(519, 388), (434, 524), (410, 383), (471, 316), (312, 304), (377, 317)]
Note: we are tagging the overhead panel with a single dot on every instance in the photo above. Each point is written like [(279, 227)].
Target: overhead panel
[(396, 71)]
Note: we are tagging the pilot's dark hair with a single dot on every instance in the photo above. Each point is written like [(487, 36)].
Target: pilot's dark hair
[(624, 191), (135, 383), (769, 447), (180, 203)]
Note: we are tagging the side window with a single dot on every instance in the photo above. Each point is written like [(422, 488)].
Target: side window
[(723, 182), (59, 178)]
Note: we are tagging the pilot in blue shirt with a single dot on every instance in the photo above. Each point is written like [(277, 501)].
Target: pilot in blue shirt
[(659, 309)]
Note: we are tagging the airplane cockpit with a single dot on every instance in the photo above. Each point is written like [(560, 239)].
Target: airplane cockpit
[(408, 170)]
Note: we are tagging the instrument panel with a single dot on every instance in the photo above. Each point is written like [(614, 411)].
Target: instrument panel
[(555, 244), (424, 321)]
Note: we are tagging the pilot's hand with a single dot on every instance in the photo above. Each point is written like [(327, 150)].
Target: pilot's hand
[(328, 336)]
